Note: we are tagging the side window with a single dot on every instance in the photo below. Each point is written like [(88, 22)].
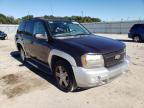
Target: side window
[(29, 27), (21, 27), (39, 28)]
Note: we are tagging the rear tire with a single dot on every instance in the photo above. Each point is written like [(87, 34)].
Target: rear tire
[(3, 38), (136, 39), (64, 76), (22, 55)]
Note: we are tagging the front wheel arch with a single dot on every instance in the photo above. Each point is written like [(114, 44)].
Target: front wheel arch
[(56, 59)]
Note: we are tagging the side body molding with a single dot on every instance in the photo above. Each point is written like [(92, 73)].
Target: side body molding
[(63, 55)]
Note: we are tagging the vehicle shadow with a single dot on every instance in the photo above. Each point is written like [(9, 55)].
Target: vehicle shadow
[(131, 41), (48, 77), (37, 71), (125, 40)]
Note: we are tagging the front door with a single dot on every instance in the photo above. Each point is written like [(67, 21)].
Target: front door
[(28, 37), (41, 47)]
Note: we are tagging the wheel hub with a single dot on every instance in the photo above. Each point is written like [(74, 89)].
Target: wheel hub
[(62, 76)]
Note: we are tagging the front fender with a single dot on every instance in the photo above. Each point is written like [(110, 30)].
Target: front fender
[(63, 55)]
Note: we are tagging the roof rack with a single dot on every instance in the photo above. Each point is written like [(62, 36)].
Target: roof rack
[(53, 19)]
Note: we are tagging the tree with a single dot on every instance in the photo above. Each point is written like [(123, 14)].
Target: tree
[(8, 19), (3, 19), (11, 20), (27, 17)]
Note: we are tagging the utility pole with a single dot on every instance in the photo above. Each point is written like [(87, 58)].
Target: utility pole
[(82, 13), (28, 15)]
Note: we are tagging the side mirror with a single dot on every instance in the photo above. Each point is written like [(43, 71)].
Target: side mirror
[(41, 36)]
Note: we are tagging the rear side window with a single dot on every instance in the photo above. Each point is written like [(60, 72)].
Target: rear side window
[(136, 26), (21, 27), (39, 28), (29, 27)]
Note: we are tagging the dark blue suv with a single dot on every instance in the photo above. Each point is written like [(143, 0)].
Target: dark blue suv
[(137, 32), (76, 57)]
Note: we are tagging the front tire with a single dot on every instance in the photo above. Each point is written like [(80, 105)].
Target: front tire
[(64, 76)]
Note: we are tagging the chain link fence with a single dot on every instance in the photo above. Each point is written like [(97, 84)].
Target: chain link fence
[(121, 27), (9, 29)]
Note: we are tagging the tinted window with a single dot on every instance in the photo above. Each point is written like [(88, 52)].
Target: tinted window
[(138, 26), (21, 27), (29, 27), (39, 28)]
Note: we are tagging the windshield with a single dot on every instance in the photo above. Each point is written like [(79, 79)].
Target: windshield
[(67, 28)]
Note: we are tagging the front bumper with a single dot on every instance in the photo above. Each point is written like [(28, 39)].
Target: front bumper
[(98, 76)]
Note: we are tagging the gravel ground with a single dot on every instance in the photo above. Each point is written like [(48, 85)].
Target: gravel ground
[(23, 86)]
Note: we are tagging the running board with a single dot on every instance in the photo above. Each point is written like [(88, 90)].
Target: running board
[(39, 65)]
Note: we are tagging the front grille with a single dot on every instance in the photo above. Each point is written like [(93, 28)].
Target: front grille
[(114, 58)]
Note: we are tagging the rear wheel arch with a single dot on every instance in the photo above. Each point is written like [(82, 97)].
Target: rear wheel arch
[(19, 46), (137, 35)]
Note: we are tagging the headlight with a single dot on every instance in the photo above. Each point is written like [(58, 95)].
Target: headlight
[(92, 61)]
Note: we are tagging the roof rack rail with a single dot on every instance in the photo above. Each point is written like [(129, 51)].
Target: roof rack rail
[(54, 19)]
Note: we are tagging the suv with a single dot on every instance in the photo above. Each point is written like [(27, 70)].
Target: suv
[(3, 35), (76, 57), (137, 32)]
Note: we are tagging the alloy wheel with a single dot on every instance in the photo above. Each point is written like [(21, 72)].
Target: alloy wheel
[(62, 76)]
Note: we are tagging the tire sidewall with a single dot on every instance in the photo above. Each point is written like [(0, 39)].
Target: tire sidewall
[(71, 85), (22, 59), (138, 38)]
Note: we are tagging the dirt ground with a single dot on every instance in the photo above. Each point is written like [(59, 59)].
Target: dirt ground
[(23, 86)]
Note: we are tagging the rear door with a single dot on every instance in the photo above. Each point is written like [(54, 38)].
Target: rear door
[(41, 47), (28, 37)]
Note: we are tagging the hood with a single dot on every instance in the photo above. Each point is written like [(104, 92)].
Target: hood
[(94, 44)]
